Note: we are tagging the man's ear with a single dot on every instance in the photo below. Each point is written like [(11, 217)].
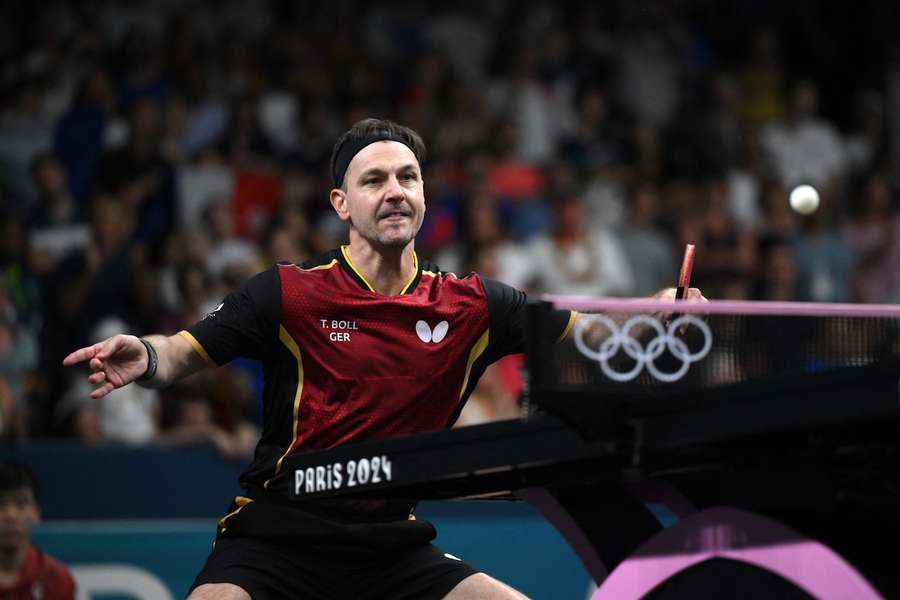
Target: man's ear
[(339, 203)]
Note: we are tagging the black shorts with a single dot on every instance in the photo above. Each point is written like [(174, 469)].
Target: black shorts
[(273, 569)]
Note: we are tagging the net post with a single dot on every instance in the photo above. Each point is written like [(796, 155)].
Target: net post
[(536, 312)]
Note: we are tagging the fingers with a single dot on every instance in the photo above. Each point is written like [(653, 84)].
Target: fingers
[(98, 377), (665, 294), (670, 294), (110, 346), (695, 295), (102, 390), (82, 355), (98, 356)]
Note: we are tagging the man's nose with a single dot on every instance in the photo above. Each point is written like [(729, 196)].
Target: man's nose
[(394, 191)]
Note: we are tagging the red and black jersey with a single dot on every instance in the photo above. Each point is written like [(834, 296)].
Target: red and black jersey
[(344, 363), (42, 578)]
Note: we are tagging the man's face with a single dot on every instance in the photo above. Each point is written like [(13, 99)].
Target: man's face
[(18, 515), (384, 198)]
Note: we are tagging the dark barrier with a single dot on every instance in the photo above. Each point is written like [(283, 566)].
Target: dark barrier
[(130, 483)]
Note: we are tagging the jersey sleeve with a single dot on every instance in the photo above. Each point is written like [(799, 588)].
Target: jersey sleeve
[(245, 324), (506, 309)]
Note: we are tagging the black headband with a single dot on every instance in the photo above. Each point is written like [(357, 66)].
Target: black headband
[(351, 148)]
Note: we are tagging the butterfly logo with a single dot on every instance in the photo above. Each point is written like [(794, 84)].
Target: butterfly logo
[(427, 334), (213, 312)]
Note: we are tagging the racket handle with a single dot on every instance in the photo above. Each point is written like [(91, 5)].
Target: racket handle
[(684, 277)]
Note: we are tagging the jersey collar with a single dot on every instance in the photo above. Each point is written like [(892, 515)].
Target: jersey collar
[(356, 274)]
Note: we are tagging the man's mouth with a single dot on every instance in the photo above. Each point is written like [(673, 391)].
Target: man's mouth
[(395, 215)]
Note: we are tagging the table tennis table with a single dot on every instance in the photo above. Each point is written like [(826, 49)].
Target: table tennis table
[(727, 446)]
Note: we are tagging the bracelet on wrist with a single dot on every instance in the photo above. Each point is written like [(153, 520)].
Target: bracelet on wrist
[(152, 361)]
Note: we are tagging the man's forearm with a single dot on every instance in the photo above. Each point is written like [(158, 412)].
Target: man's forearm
[(176, 359)]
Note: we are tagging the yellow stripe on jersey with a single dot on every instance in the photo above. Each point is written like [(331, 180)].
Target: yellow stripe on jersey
[(241, 502), (366, 281), (291, 345), (415, 272), (198, 347), (477, 350), (573, 316), (333, 262), (355, 270)]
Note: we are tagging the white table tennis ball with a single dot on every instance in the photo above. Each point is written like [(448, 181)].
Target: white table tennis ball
[(804, 199)]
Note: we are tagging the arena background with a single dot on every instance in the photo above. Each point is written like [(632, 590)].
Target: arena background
[(155, 154)]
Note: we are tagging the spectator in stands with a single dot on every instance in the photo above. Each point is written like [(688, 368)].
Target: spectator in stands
[(762, 79), (25, 131), (744, 180), (804, 148), (651, 48), (140, 176), (778, 271), (726, 249), (25, 571), (824, 258), (85, 131), (100, 280), (597, 142), (778, 218), (55, 225), (227, 253), (19, 288), (650, 250), (197, 295), (867, 145), (874, 235), (18, 367), (573, 259), (79, 420), (724, 124), (283, 244), (194, 424)]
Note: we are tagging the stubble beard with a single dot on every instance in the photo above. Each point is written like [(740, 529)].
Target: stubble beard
[(388, 241)]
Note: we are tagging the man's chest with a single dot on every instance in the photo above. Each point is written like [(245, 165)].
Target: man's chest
[(386, 337)]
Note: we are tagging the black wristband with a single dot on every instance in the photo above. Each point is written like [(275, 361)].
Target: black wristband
[(152, 361)]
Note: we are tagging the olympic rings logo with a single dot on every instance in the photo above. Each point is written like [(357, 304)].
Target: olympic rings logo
[(643, 357)]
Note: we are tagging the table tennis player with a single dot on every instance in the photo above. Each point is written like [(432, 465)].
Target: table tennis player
[(367, 341)]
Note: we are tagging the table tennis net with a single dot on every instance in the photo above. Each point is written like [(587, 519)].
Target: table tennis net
[(637, 350)]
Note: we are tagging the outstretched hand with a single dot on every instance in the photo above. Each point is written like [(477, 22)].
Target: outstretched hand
[(114, 362)]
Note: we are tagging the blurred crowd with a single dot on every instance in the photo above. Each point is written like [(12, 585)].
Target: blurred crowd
[(153, 155)]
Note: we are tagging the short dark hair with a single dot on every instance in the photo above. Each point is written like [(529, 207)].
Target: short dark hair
[(371, 127), (15, 475)]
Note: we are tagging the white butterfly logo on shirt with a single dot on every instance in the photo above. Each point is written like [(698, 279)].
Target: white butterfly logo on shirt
[(213, 312), (427, 334)]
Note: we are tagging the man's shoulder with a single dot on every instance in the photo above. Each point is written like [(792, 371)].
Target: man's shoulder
[(316, 264), (453, 279), (325, 259)]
